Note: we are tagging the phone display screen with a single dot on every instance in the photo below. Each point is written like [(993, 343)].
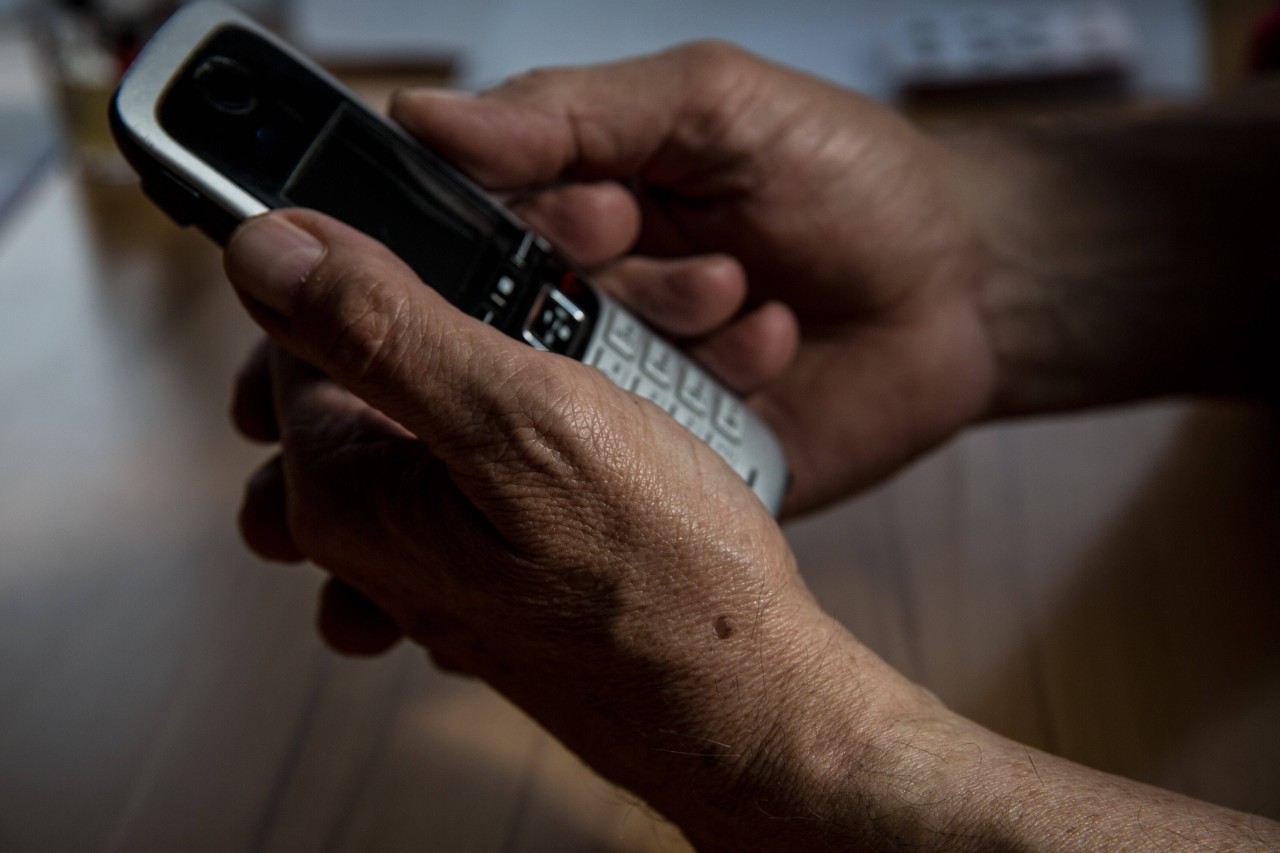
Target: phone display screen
[(360, 173), (291, 140)]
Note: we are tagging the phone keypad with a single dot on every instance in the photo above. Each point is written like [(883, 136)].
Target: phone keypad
[(696, 391), (614, 365), (641, 362), (729, 418), (625, 333), (650, 390), (661, 363), (731, 451)]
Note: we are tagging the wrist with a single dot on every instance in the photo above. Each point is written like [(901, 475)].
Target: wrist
[(758, 747), (1127, 257), (830, 768), (707, 706)]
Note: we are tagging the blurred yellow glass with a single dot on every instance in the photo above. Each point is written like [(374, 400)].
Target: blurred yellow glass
[(89, 46)]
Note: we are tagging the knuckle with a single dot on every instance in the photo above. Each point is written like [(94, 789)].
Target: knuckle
[(725, 99), (543, 437), (537, 419), (715, 69), (587, 452), (359, 324), (538, 87), (714, 55), (530, 80), (369, 343)]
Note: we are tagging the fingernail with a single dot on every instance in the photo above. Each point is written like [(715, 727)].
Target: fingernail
[(269, 258)]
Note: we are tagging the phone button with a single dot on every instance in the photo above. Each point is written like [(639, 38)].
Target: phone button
[(660, 363), (173, 196), (521, 257), (729, 417), (625, 333), (613, 365), (650, 390), (727, 450), (690, 420), (554, 323), (696, 390)]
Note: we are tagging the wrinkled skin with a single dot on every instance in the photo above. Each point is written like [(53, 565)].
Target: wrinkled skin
[(531, 524)]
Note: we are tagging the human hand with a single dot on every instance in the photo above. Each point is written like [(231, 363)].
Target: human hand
[(531, 524), (803, 242), (820, 740)]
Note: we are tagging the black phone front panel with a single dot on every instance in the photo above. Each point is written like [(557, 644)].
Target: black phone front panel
[(254, 114)]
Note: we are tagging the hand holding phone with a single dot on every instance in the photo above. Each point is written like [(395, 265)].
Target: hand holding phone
[(223, 121)]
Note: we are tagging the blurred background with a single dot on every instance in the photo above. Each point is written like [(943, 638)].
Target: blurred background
[(1103, 585), (933, 58)]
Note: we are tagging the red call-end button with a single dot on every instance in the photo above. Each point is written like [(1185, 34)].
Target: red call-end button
[(569, 285)]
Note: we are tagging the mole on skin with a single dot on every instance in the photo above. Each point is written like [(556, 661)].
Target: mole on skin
[(724, 627)]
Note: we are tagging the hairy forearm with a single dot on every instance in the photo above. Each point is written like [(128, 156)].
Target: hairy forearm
[(986, 792), (862, 759), (1130, 256), (754, 721), (779, 731)]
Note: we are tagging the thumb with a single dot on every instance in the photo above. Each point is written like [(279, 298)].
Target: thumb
[(342, 302)]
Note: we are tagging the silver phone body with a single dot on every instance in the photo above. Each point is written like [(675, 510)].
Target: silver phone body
[(193, 190)]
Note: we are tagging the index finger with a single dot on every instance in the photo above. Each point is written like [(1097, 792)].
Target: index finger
[(604, 121)]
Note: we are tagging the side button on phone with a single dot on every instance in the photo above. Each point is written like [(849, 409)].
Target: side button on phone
[(173, 197), (186, 206)]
